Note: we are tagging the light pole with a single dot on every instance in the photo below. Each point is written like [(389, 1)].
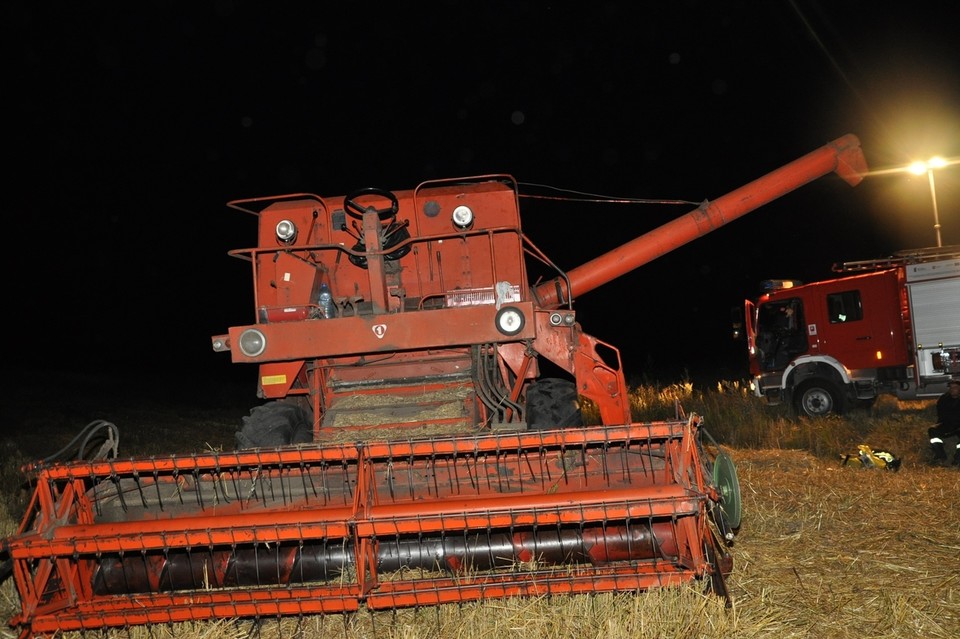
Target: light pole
[(919, 168)]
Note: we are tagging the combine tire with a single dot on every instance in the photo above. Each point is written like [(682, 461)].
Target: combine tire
[(818, 398), (276, 424), (553, 403)]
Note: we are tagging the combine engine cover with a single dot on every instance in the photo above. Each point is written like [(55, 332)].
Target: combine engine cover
[(407, 451)]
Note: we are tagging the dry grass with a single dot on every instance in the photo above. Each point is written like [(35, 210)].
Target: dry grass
[(847, 552), (824, 550)]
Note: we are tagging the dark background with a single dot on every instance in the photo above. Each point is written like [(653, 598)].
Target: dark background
[(129, 127)]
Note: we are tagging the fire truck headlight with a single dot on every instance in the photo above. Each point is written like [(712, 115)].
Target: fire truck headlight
[(252, 342), (286, 231)]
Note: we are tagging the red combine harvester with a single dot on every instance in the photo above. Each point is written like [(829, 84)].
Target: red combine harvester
[(408, 451)]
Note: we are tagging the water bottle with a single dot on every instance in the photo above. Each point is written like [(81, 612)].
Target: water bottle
[(325, 300)]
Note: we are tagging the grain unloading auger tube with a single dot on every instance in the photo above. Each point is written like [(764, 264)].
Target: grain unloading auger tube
[(500, 505)]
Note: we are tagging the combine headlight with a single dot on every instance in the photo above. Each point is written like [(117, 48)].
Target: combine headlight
[(510, 320), (567, 319), (462, 217), (286, 231), (252, 342)]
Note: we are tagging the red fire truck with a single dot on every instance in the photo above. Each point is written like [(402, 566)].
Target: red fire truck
[(887, 325)]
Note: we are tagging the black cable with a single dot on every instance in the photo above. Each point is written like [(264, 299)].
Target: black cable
[(110, 444)]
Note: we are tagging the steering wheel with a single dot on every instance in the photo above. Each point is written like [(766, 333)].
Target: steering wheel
[(355, 210)]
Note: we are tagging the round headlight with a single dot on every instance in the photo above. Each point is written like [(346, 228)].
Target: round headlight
[(252, 342), (462, 217), (510, 320), (286, 231)]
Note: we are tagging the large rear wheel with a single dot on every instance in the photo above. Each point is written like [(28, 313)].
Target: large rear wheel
[(553, 403), (276, 423)]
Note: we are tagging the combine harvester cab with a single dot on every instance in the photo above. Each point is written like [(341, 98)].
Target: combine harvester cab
[(407, 451)]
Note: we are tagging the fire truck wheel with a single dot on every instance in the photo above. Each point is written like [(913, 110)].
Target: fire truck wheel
[(276, 423), (553, 403), (816, 398)]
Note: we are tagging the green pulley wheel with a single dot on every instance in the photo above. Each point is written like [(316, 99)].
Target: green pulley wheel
[(725, 479)]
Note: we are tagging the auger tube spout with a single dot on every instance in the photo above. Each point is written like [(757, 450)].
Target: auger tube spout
[(843, 156)]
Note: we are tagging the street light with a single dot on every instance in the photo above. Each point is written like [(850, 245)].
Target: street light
[(919, 168)]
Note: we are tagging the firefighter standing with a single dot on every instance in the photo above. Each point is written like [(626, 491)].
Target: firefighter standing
[(948, 422)]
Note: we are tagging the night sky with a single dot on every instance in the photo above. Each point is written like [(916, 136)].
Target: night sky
[(130, 127)]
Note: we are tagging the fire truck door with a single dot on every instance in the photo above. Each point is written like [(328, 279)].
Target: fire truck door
[(850, 327)]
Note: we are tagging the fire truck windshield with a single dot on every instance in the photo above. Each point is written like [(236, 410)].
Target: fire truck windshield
[(780, 333)]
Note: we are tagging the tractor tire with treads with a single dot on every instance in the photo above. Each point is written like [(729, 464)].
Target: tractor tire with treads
[(276, 423), (553, 403)]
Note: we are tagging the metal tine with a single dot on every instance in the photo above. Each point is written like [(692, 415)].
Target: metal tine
[(347, 621), (306, 480), (346, 476), (544, 462), (116, 485), (496, 465), (490, 556), (388, 476), (454, 474), (216, 481), (603, 459), (268, 476), (299, 558), (176, 482), (261, 482), (136, 479), (256, 560), (563, 462), (156, 485), (214, 575), (281, 472), (324, 470), (646, 446), (433, 472), (199, 488), (236, 564), (474, 480), (466, 545), (254, 492), (255, 626), (193, 581), (126, 582), (625, 460), (410, 477), (583, 460), (276, 562), (235, 480), (520, 455), (93, 483)]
